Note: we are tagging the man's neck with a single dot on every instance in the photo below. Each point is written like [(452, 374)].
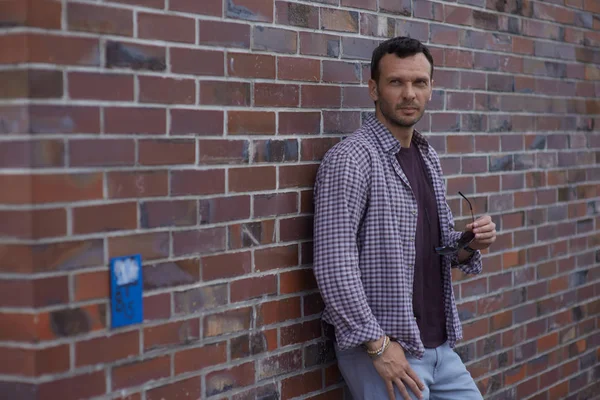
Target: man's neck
[(402, 134)]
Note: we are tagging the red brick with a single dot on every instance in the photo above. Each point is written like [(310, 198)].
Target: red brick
[(226, 34), (299, 123), (206, 7), (298, 228), (225, 93), (251, 123), (63, 119), (199, 241), (92, 152), (50, 188), (151, 246), (253, 10), (222, 209), (366, 4), (226, 266), (294, 176), (251, 65), (161, 90), (278, 311), (137, 184), (197, 62), (17, 45), (63, 50), (318, 44), (297, 281), (251, 234), (128, 120), (31, 83), (105, 218), (99, 19), (140, 372), (188, 388), (227, 322), (107, 349), (339, 20), (96, 86), (91, 285), (202, 182), (250, 288), (35, 13), (275, 40), (275, 204), (156, 214), (301, 384), (298, 69), (173, 333), (275, 95), (34, 293), (341, 72), (173, 28), (251, 179), (167, 152), (321, 96), (73, 388), (300, 333), (273, 150), (198, 358), (475, 329), (157, 307), (196, 122), (280, 364), (276, 257), (33, 224), (232, 378)]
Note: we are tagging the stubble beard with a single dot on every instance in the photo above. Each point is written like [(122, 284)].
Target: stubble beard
[(387, 110)]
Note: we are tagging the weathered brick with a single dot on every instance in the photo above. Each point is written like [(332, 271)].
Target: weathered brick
[(276, 95), (135, 56), (318, 44), (298, 69), (166, 90), (173, 28), (252, 10), (191, 388), (31, 83), (140, 372), (227, 322), (339, 20), (107, 349), (251, 65), (297, 15), (99, 19), (202, 241), (232, 378), (275, 40), (251, 122), (219, 33)]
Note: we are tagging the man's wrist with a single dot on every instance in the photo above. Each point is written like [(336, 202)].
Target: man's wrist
[(375, 344)]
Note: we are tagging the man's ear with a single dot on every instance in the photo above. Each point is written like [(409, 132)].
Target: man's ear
[(373, 92)]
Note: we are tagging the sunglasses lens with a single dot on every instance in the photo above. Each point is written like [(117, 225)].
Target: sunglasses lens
[(465, 239)]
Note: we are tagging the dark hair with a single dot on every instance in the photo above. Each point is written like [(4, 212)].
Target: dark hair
[(402, 47)]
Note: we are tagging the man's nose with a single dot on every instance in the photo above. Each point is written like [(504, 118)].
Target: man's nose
[(408, 92)]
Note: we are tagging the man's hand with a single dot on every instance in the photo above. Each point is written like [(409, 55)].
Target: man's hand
[(395, 370), (485, 232)]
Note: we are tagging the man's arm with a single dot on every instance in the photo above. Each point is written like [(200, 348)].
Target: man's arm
[(341, 193)]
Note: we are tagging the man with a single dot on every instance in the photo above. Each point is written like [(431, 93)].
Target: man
[(385, 244)]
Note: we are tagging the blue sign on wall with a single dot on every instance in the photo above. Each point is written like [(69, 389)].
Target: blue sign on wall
[(126, 291)]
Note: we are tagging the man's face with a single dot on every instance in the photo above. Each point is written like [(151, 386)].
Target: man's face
[(404, 88)]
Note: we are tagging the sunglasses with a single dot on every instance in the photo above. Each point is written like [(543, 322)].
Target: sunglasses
[(465, 239)]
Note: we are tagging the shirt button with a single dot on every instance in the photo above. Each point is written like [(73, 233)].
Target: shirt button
[(414, 212), (412, 239)]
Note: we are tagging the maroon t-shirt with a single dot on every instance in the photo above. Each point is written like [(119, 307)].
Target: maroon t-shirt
[(428, 288)]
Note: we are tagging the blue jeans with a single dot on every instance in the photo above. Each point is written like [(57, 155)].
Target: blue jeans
[(441, 370)]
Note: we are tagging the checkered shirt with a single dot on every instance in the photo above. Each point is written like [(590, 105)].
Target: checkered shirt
[(364, 249)]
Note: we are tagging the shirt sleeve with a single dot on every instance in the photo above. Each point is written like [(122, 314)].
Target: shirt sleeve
[(341, 193)]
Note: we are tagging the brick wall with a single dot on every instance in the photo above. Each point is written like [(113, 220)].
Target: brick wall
[(191, 132)]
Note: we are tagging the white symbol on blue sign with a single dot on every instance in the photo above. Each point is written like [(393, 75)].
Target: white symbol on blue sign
[(126, 290)]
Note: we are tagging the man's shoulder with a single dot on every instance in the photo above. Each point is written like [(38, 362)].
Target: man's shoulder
[(358, 147)]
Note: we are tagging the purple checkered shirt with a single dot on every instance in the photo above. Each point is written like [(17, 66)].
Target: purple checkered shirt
[(364, 249)]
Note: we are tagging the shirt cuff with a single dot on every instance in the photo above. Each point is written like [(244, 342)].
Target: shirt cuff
[(366, 333), (471, 265)]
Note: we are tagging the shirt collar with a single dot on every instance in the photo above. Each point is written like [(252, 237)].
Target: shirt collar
[(389, 143)]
